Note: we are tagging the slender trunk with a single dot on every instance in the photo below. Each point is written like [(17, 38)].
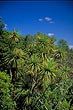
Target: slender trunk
[(10, 73)]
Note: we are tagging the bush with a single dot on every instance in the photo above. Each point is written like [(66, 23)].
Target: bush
[(6, 101)]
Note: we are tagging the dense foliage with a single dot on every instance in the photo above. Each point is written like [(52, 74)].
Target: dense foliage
[(36, 73), (6, 100)]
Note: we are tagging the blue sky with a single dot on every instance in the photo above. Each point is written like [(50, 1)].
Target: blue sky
[(49, 17)]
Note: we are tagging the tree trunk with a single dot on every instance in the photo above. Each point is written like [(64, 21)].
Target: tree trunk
[(10, 74)]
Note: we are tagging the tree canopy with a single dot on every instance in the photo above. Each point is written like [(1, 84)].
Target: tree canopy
[(35, 73)]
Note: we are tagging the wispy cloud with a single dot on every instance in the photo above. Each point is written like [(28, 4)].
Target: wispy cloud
[(50, 34), (47, 19), (5, 26), (71, 46), (40, 19)]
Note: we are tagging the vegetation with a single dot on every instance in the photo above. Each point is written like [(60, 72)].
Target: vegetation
[(35, 73)]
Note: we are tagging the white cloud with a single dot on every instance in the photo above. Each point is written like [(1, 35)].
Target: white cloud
[(70, 46), (40, 19), (50, 34), (5, 26), (48, 19)]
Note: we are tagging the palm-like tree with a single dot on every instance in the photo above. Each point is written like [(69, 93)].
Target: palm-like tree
[(14, 61), (12, 54), (14, 36), (49, 66)]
